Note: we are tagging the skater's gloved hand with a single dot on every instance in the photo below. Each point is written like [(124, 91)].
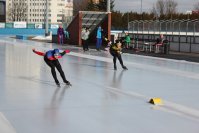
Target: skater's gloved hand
[(67, 51), (33, 49)]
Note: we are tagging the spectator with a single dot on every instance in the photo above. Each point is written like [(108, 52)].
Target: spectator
[(85, 36), (160, 39), (99, 38), (159, 42), (127, 41), (60, 34)]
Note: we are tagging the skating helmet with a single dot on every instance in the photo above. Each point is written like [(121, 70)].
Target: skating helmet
[(56, 52)]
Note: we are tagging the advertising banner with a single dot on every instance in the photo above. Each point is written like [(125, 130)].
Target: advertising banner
[(19, 25), (2, 25), (54, 26)]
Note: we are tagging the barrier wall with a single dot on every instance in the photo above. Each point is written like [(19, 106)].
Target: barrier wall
[(21, 31), (178, 43)]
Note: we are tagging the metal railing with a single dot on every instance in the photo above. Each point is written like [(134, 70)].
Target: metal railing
[(170, 27), (183, 35)]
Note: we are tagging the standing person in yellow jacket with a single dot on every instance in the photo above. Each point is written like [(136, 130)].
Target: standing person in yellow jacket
[(115, 51)]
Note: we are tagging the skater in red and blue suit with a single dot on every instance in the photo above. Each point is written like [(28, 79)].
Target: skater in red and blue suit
[(51, 58)]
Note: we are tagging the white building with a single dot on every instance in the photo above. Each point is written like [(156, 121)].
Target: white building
[(35, 10)]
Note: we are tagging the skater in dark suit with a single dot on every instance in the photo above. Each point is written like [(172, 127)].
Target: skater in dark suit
[(51, 58)]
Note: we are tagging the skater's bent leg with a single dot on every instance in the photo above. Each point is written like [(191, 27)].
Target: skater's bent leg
[(52, 66), (54, 74), (120, 59), (114, 62), (59, 68)]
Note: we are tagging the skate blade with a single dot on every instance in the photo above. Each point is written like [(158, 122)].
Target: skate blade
[(69, 84), (58, 85)]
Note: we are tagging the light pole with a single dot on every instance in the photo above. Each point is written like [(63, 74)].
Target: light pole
[(46, 25), (141, 7), (128, 21), (108, 6), (141, 10)]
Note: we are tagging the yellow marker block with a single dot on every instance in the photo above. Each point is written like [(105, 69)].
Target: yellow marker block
[(156, 101)]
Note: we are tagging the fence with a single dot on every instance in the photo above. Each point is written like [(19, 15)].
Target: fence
[(182, 27), (183, 35)]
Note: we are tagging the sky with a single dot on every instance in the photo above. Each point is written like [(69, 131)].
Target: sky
[(135, 5)]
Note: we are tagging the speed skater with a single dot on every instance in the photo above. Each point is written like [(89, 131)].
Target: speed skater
[(115, 51), (51, 58)]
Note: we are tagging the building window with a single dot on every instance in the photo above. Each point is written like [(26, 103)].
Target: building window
[(2, 8), (59, 20), (59, 15)]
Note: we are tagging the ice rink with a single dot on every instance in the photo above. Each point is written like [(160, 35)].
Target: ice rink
[(100, 100)]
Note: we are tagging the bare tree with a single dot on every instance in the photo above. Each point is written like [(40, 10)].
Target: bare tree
[(79, 5), (160, 7), (154, 12), (164, 7), (196, 6), (171, 6), (17, 11)]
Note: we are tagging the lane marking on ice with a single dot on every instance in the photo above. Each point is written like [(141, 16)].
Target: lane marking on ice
[(170, 107), (5, 126)]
